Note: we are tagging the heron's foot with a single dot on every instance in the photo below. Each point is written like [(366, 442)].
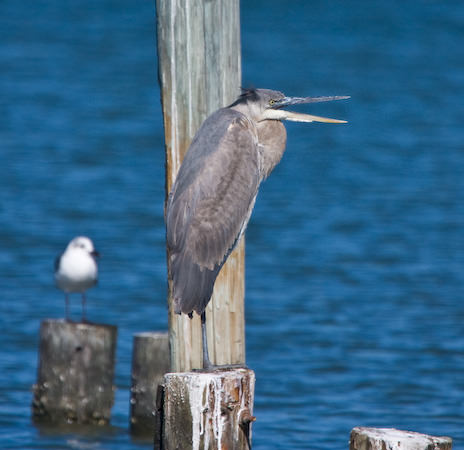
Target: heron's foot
[(86, 321), (221, 367)]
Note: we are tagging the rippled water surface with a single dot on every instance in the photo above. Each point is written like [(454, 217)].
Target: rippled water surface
[(355, 252)]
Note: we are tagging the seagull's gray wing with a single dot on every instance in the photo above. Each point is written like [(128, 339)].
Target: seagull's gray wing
[(57, 262), (210, 204)]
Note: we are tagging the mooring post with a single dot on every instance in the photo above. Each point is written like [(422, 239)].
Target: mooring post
[(208, 410), (389, 438), (150, 362), (75, 373), (200, 72)]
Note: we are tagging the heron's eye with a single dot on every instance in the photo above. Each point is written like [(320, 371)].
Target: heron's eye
[(271, 102)]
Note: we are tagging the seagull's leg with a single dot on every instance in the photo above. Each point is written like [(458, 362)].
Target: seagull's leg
[(206, 362), (66, 297), (83, 307)]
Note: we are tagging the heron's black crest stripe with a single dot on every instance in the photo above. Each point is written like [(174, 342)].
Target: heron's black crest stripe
[(246, 95)]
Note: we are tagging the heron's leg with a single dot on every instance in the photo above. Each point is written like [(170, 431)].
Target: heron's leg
[(207, 365), (206, 362), (83, 307), (66, 298)]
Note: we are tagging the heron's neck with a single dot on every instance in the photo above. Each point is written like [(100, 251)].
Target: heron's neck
[(271, 134), (249, 110), (272, 137)]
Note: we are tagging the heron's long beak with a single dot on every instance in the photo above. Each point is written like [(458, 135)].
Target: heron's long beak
[(280, 114), (286, 101), (299, 117)]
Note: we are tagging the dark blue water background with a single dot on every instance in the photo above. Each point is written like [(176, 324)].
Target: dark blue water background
[(355, 252)]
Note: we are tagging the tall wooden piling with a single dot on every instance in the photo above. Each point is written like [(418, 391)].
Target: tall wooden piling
[(200, 72), (389, 438), (150, 362), (75, 373)]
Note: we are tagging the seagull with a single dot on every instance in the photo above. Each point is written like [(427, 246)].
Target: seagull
[(76, 269)]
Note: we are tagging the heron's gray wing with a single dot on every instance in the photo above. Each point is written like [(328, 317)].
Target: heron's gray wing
[(210, 204)]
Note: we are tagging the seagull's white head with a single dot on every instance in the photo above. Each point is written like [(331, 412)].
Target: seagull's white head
[(84, 243)]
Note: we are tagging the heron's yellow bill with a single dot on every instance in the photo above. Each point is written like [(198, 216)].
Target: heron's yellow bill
[(282, 114), (299, 117)]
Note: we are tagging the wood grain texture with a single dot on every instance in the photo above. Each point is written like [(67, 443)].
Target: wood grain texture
[(200, 72)]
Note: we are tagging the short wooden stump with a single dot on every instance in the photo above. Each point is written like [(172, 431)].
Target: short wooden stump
[(75, 374), (150, 362), (389, 438), (208, 410)]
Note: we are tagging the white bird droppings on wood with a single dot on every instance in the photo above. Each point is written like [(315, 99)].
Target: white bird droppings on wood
[(208, 410)]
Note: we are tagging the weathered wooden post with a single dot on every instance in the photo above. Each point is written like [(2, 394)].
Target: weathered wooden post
[(389, 438), (75, 373), (200, 72), (208, 410), (150, 362)]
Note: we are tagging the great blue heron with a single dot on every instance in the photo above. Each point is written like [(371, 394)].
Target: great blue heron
[(76, 269), (215, 190)]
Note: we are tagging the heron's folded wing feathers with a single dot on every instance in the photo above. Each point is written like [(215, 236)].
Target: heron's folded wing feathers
[(209, 205), (211, 202), (229, 188)]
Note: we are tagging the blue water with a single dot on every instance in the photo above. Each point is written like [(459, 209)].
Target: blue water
[(355, 251)]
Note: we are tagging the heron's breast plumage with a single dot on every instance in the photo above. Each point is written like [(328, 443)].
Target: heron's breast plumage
[(272, 138)]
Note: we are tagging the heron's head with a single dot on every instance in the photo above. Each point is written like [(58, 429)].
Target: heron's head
[(265, 104)]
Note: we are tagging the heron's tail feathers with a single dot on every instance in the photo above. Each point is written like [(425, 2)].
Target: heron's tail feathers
[(192, 285)]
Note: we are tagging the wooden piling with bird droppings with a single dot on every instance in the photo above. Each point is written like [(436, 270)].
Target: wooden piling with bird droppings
[(75, 373), (389, 438), (208, 410), (150, 362), (199, 67), (200, 72)]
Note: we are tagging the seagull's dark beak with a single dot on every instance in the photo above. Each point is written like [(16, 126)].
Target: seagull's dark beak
[(299, 117), (95, 254)]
